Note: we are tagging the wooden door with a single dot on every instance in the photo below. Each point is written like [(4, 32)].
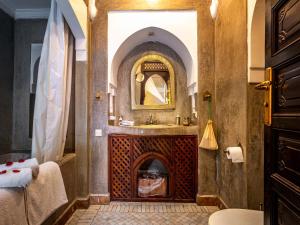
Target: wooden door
[(282, 134)]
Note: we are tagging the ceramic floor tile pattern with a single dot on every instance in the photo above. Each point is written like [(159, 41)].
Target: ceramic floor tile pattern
[(146, 213)]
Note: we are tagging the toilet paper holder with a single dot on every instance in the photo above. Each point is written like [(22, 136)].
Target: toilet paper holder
[(239, 145)]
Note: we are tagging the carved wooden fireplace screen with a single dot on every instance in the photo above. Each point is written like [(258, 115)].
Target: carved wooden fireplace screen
[(153, 168)]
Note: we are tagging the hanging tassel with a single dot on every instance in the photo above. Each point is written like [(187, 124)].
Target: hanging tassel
[(209, 140)]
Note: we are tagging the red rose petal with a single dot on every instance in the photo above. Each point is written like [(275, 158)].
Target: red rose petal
[(16, 171), (9, 163), (21, 160), (3, 172)]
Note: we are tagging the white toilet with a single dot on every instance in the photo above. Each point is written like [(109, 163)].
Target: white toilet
[(237, 217)]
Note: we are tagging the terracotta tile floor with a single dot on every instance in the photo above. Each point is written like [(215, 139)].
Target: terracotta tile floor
[(146, 213)]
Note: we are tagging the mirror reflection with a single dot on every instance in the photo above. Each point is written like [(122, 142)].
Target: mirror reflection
[(152, 89)]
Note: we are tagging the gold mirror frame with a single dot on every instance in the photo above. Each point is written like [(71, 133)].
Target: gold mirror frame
[(153, 57)]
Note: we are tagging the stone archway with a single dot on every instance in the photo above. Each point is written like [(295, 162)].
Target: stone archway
[(256, 40)]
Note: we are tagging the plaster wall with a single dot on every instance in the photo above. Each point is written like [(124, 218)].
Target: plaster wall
[(26, 32), (99, 79), (231, 98), (238, 110), (6, 80), (123, 97), (255, 153), (82, 128)]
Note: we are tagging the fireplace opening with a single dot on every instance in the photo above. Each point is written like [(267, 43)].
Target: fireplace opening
[(153, 179)]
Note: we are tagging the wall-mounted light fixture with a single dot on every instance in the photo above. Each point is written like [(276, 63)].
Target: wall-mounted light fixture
[(92, 9), (214, 8)]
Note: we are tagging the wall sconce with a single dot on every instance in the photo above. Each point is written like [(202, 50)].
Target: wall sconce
[(92, 9), (214, 8)]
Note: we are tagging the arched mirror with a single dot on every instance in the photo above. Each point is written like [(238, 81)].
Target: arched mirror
[(152, 83)]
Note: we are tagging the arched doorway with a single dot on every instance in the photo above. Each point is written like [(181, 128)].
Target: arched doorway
[(256, 41)]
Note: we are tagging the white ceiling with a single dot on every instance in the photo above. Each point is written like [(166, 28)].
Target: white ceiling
[(26, 8)]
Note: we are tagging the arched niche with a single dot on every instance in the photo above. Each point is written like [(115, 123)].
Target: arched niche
[(156, 26), (163, 164), (256, 40)]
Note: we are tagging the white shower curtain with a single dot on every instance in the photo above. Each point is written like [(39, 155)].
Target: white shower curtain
[(53, 89)]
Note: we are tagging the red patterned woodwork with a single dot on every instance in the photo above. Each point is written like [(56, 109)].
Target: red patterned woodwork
[(178, 153), (158, 144), (120, 165), (185, 164)]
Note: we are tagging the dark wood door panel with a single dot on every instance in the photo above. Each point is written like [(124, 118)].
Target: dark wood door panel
[(287, 158), (282, 138), (286, 191), (281, 207), (285, 30), (286, 215), (286, 79), (286, 24), (287, 122)]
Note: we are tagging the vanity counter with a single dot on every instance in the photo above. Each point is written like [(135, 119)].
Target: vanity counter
[(159, 129)]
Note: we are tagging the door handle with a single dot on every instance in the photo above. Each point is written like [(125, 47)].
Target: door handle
[(267, 87)]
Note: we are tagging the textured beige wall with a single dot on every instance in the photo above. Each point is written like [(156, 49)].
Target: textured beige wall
[(238, 110), (255, 146), (231, 97), (81, 128), (99, 108)]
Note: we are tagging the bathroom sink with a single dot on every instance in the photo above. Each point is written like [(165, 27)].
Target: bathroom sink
[(154, 129), (156, 126)]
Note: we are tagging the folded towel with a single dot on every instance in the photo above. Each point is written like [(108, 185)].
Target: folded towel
[(127, 123), (15, 178), (28, 163)]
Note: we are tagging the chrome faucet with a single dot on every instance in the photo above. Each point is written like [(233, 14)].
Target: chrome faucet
[(150, 120)]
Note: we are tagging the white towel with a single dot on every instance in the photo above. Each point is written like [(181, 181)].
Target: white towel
[(15, 178), (45, 194), (28, 163), (127, 123)]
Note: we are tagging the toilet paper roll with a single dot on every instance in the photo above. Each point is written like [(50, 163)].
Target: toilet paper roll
[(235, 154)]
